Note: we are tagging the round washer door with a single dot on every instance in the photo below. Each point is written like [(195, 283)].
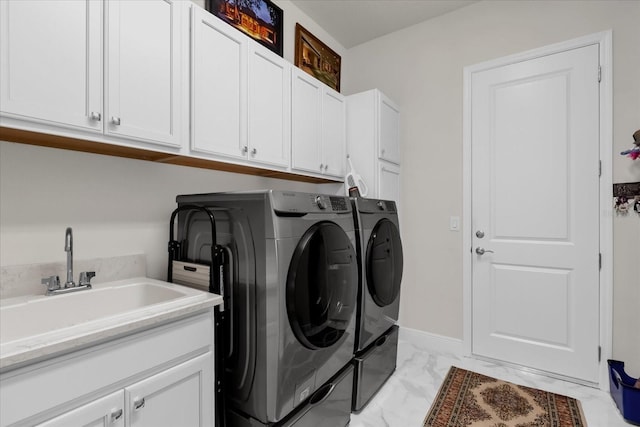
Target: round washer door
[(384, 263), (322, 285)]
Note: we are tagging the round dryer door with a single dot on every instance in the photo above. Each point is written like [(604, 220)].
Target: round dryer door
[(384, 263), (322, 285)]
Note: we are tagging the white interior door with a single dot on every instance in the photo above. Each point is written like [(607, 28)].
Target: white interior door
[(535, 212)]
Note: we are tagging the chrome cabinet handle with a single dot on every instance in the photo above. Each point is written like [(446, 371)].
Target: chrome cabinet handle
[(94, 115), (254, 152), (326, 167), (245, 149), (321, 166), (115, 120), (481, 251), (116, 415), (138, 404)]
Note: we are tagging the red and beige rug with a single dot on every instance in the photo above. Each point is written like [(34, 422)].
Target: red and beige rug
[(469, 399)]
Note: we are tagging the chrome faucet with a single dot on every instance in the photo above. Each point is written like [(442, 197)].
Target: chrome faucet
[(53, 282), (68, 248)]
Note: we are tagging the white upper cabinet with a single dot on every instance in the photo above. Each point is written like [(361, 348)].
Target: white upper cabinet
[(306, 139), (334, 133), (373, 142), (51, 62), (219, 87), (269, 105), (388, 129), (53, 73), (240, 95), (144, 70), (318, 136)]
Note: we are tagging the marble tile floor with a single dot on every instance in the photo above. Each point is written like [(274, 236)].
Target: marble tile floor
[(406, 397)]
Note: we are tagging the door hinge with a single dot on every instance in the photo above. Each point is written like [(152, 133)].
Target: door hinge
[(600, 261), (599, 73), (599, 353)]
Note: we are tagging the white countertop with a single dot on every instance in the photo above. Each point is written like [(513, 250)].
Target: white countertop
[(36, 347)]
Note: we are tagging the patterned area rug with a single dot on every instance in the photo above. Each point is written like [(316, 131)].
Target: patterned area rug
[(468, 399)]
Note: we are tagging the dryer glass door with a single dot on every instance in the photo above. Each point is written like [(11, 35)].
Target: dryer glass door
[(384, 262), (322, 285)]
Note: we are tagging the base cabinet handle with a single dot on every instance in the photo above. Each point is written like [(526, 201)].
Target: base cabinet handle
[(116, 415), (138, 404)]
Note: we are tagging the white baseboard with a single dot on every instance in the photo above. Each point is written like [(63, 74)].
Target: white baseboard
[(434, 341)]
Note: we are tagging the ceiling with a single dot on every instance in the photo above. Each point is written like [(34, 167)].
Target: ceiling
[(353, 22)]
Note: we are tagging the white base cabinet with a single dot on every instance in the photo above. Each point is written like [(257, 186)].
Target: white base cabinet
[(160, 377), (373, 142)]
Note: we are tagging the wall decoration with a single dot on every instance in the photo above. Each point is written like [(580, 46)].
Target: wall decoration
[(626, 197), (316, 58), (634, 153), (259, 19)]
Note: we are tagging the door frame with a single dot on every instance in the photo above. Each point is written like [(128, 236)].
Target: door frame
[(604, 40)]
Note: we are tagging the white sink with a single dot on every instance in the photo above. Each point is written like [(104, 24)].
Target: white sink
[(27, 323)]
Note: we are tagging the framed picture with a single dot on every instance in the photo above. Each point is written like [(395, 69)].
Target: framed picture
[(316, 58), (259, 19)]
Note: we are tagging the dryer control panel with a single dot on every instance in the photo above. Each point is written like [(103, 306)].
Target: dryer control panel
[(302, 203)]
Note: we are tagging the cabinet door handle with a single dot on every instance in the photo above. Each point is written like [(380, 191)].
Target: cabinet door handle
[(245, 149), (115, 120), (138, 404), (326, 167), (94, 115), (254, 152), (116, 415)]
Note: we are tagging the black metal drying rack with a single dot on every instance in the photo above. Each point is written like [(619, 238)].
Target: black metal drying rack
[(216, 275)]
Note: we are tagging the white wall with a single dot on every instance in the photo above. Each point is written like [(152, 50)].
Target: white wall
[(115, 206), (421, 68)]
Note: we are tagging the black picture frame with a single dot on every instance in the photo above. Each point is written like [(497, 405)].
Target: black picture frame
[(259, 19)]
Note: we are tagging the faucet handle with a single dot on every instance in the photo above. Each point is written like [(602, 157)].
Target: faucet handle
[(85, 278), (52, 282)]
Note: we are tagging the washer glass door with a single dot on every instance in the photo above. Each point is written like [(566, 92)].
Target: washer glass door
[(322, 285), (384, 263)]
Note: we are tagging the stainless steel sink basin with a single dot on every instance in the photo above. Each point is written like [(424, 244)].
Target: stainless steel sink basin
[(105, 304)]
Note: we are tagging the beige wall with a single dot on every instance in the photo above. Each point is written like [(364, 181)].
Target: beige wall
[(421, 68)]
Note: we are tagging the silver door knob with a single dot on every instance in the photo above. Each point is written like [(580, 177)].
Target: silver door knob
[(481, 251), (115, 120), (479, 234), (94, 115)]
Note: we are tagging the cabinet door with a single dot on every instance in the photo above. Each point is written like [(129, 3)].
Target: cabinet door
[(144, 80), (334, 140), (389, 182), (180, 396), (306, 153), (106, 411), (219, 71), (51, 62), (388, 130), (269, 100)]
